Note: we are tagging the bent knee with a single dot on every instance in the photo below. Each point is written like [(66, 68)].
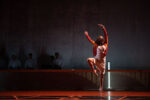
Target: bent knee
[(90, 59)]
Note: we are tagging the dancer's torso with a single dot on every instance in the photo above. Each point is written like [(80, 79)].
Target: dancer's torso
[(100, 56)]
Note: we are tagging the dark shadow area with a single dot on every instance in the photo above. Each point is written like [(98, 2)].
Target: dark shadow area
[(3, 57), (45, 61), (44, 81), (10, 81), (22, 56)]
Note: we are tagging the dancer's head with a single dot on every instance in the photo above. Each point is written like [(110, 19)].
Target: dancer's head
[(100, 40)]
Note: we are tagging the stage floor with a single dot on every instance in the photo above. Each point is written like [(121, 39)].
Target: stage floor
[(73, 85), (75, 95)]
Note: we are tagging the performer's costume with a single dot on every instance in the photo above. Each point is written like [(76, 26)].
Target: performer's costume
[(100, 58)]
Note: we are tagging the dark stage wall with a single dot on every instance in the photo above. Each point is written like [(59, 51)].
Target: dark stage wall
[(46, 26)]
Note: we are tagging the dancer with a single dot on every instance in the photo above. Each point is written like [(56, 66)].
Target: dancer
[(99, 51)]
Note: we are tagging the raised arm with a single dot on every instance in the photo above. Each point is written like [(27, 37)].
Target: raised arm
[(89, 38), (105, 36), (105, 32)]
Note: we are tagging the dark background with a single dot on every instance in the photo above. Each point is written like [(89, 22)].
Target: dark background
[(49, 26)]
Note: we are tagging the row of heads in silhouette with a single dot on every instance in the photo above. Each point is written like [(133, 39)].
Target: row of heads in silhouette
[(42, 62)]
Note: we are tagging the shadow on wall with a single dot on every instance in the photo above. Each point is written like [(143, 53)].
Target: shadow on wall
[(3, 57), (45, 60), (22, 57)]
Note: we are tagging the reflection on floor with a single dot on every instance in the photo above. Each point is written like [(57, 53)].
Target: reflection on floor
[(76, 98), (74, 95)]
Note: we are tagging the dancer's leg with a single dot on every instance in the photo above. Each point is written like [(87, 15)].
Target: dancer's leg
[(101, 82), (101, 75), (91, 64)]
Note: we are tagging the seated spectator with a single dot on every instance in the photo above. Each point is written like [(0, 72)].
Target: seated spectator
[(14, 63), (58, 61), (30, 63)]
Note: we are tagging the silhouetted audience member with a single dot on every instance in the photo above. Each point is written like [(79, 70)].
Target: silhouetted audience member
[(58, 61), (30, 63), (14, 63)]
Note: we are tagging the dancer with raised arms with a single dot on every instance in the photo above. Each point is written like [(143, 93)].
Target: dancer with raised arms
[(99, 53)]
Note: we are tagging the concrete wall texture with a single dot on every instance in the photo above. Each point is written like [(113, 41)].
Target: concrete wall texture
[(49, 26)]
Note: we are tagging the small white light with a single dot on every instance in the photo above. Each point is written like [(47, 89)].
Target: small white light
[(109, 80), (109, 76), (108, 65)]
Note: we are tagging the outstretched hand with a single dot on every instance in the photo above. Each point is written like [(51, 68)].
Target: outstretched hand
[(86, 32)]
